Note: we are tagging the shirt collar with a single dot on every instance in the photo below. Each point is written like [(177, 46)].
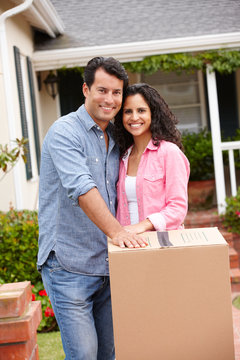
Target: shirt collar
[(85, 118), (150, 146), (88, 122)]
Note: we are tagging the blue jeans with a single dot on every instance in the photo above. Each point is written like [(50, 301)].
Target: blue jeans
[(82, 307)]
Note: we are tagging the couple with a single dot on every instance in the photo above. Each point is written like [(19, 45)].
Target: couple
[(77, 198)]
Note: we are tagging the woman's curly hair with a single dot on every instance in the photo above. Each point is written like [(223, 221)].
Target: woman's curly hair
[(163, 121)]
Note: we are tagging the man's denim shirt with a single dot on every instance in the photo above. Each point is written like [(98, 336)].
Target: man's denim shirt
[(75, 160)]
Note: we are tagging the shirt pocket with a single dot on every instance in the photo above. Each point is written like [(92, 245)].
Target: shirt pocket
[(153, 184), (94, 165)]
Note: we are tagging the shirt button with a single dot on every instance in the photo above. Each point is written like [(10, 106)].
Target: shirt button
[(98, 128), (107, 259), (96, 159), (111, 202), (107, 182), (101, 137)]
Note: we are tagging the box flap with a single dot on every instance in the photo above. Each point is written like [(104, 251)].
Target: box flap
[(177, 238)]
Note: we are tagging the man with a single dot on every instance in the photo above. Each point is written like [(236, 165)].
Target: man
[(77, 200)]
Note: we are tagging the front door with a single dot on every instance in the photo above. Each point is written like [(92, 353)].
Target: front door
[(70, 90)]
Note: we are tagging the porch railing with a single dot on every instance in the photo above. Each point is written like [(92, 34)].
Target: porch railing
[(230, 146), (219, 146)]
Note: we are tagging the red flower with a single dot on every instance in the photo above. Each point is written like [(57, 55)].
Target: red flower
[(49, 312), (33, 297), (237, 213), (42, 293)]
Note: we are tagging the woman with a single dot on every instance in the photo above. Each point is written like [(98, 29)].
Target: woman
[(154, 172)]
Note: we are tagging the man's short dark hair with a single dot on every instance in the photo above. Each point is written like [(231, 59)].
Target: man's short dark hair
[(110, 65)]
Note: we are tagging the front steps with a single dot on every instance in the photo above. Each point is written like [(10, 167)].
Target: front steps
[(19, 320), (210, 218)]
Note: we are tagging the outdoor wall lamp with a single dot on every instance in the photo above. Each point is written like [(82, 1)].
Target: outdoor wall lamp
[(51, 83)]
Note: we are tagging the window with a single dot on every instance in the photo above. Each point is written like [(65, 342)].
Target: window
[(184, 95)]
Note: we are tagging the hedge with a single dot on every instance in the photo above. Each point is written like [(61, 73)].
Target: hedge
[(18, 246), (18, 257)]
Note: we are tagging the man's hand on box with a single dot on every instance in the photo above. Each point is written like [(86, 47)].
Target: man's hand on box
[(129, 239)]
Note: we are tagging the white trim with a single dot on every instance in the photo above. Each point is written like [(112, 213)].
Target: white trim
[(230, 146), (232, 172), (136, 51), (202, 98), (216, 139), (58, 105), (187, 106), (50, 14), (44, 16), (16, 10), (42, 21)]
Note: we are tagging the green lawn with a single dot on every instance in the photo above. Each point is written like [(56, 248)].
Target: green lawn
[(50, 346)]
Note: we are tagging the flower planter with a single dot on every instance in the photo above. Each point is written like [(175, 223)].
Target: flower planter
[(201, 193)]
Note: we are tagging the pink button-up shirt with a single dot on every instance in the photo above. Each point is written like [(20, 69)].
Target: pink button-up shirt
[(161, 187)]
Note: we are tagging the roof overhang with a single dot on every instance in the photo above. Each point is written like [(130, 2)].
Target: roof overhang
[(43, 16), (135, 51)]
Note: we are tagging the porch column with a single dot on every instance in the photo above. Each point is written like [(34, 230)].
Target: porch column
[(216, 140)]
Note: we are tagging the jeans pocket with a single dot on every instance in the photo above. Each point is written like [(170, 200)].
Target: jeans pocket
[(52, 262)]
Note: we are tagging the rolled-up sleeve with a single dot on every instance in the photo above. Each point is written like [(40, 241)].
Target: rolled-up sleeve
[(70, 161), (177, 171)]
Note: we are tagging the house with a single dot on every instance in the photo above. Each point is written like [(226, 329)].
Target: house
[(40, 38)]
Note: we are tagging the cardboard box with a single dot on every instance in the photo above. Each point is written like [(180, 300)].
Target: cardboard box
[(172, 300)]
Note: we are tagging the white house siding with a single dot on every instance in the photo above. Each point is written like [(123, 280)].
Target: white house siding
[(19, 34), (7, 184), (50, 108)]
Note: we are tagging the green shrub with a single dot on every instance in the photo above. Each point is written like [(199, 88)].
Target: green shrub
[(236, 152), (198, 149), (18, 257), (231, 218), (18, 246)]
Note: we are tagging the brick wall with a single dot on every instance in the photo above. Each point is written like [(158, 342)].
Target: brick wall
[(19, 320)]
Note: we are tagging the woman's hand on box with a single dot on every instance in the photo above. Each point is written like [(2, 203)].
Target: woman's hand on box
[(128, 239)]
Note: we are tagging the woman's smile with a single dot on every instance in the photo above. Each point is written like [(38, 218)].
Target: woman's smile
[(137, 116)]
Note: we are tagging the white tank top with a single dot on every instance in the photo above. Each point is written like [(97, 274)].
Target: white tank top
[(130, 187)]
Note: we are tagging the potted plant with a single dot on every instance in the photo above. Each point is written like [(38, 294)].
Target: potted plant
[(198, 149)]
